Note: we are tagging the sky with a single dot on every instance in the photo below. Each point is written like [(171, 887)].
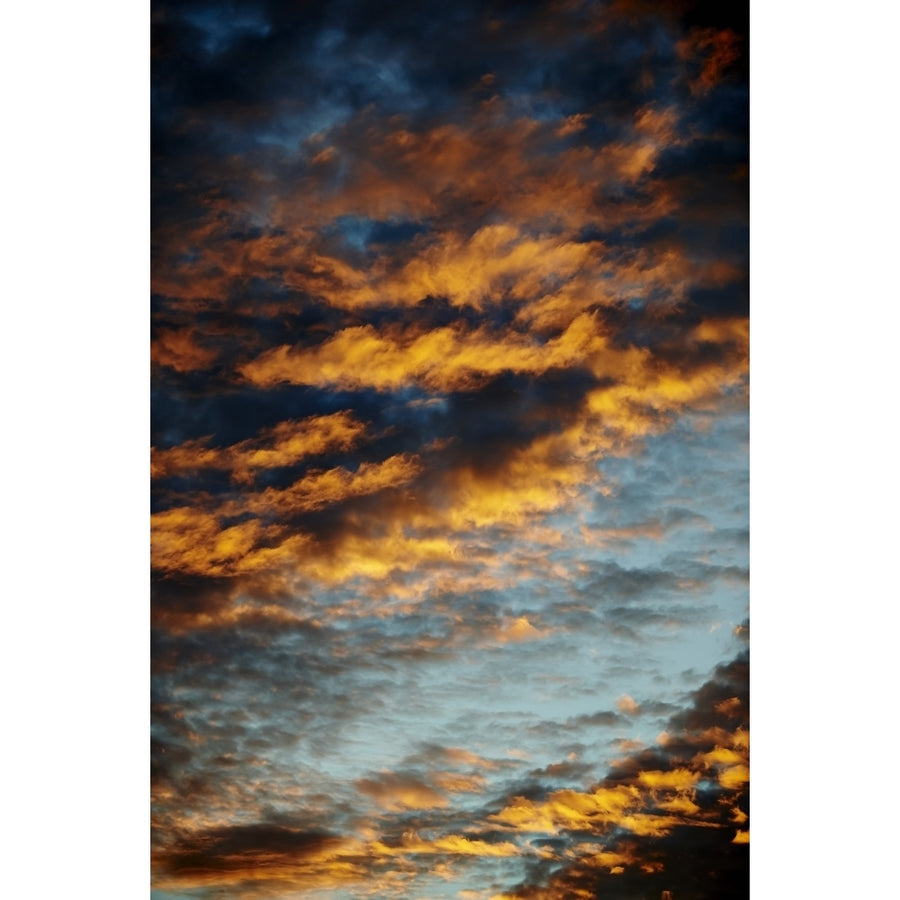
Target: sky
[(449, 425)]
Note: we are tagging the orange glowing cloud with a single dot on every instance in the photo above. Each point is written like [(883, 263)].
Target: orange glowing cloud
[(723, 756), (455, 845), (177, 349), (738, 816), (589, 855), (316, 490), (552, 277), (515, 164), (680, 805), (196, 541), (496, 260), (285, 444), (734, 777), (519, 630), (426, 532), (730, 707), (395, 793), (538, 478), (568, 809), (633, 409), (189, 540), (443, 359), (643, 390), (378, 556), (512, 165), (673, 780), (461, 757), (429, 532), (651, 806), (730, 756), (718, 49)]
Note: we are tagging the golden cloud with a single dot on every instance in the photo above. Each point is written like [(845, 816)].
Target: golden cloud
[(316, 490), (287, 443), (455, 845), (734, 776), (520, 629), (443, 359), (189, 540), (511, 164)]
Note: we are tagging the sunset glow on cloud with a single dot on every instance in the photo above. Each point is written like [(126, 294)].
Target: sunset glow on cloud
[(449, 527)]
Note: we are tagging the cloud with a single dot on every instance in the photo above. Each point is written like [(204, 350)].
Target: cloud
[(394, 791), (718, 49), (317, 489), (458, 757), (180, 351), (519, 630), (455, 845), (456, 783), (604, 719), (234, 854), (285, 444), (444, 359), (191, 541)]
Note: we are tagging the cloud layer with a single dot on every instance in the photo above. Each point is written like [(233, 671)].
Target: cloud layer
[(449, 466)]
